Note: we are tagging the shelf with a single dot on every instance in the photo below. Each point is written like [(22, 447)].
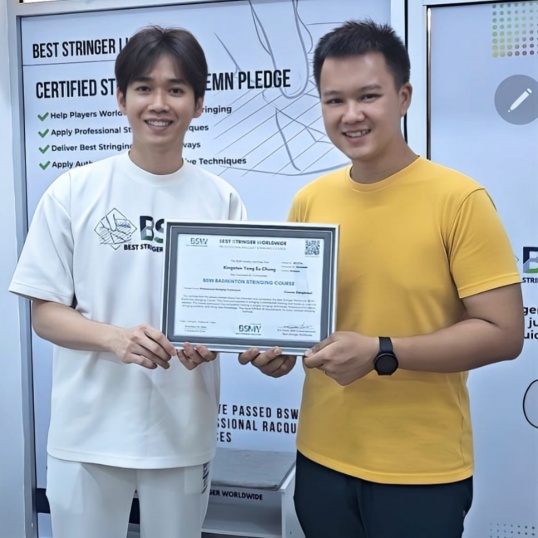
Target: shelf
[(242, 521), (252, 495)]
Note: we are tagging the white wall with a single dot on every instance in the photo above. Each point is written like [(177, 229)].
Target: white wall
[(15, 489)]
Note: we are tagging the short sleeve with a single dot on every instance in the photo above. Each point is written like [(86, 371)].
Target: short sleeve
[(480, 253), (45, 267)]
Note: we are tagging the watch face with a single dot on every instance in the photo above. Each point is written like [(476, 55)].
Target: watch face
[(386, 364)]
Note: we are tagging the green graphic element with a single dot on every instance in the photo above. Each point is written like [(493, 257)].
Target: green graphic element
[(515, 15), (44, 166), (43, 134), (43, 117), (45, 149)]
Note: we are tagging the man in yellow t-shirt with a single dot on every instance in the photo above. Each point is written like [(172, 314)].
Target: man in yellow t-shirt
[(427, 290)]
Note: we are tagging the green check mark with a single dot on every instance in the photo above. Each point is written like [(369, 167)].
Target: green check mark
[(43, 117), (43, 134), (44, 166), (45, 149)]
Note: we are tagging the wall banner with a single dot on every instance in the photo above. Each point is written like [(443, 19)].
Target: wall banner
[(261, 130), (484, 122)]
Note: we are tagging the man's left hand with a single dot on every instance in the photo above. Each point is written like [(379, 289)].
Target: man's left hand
[(192, 356)]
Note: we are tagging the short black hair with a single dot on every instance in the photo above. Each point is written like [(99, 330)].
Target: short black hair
[(151, 43), (355, 38)]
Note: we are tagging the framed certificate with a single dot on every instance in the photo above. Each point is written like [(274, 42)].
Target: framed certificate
[(234, 285)]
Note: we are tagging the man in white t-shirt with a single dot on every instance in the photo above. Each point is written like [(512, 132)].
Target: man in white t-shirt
[(130, 413)]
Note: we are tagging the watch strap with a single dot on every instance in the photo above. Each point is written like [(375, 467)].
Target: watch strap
[(385, 345)]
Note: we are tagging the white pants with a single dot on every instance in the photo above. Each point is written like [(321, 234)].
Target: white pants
[(94, 501)]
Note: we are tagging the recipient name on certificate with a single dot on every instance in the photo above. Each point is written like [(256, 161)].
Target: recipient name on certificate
[(231, 286)]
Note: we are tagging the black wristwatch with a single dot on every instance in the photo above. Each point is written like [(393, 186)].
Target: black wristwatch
[(385, 362)]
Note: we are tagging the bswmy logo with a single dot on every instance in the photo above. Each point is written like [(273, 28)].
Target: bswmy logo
[(250, 328), (530, 264)]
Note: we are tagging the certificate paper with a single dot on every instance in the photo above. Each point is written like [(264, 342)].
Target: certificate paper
[(231, 286)]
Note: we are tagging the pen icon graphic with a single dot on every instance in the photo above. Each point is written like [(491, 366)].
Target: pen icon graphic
[(520, 100)]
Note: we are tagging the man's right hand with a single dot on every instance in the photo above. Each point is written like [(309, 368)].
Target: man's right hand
[(64, 326), (270, 362), (143, 345)]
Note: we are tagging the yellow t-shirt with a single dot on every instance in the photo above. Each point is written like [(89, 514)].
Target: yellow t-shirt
[(411, 247)]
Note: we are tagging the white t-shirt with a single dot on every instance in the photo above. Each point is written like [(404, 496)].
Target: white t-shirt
[(96, 243)]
